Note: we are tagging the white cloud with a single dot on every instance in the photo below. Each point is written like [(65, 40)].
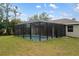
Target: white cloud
[(65, 15), (51, 16), (76, 8), (38, 6), (53, 6), (18, 14), (62, 15), (23, 17)]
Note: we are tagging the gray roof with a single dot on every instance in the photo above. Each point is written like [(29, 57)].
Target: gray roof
[(57, 21), (65, 21), (31, 21)]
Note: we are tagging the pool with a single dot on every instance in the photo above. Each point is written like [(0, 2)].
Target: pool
[(36, 37)]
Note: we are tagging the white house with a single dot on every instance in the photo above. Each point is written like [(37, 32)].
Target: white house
[(47, 29), (72, 26)]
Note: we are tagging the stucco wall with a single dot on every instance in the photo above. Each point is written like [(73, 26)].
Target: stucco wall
[(75, 32)]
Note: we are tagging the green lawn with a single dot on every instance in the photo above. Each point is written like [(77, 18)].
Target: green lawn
[(11, 45)]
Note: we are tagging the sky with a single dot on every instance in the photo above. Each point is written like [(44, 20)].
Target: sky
[(55, 10)]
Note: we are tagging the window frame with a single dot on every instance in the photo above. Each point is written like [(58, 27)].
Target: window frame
[(70, 28)]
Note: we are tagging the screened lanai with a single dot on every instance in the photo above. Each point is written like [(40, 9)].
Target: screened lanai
[(39, 30)]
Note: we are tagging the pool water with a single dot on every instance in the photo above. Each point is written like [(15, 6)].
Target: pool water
[(35, 37)]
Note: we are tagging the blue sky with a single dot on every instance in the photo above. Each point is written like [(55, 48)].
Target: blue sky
[(56, 11)]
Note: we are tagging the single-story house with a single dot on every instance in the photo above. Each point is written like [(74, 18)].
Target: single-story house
[(48, 29)]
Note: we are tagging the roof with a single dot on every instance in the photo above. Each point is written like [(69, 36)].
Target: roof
[(65, 21), (31, 21), (57, 21)]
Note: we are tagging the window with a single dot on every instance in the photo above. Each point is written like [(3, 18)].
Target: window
[(70, 28)]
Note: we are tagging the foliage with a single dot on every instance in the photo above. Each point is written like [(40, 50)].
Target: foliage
[(5, 9), (16, 21), (43, 16)]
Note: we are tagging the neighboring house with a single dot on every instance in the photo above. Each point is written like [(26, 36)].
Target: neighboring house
[(51, 28)]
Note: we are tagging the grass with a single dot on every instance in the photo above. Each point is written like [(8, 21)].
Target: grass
[(65, 46)]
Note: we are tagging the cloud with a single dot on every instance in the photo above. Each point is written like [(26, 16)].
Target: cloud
[(53, 6), (62, 15), (65, 15), (23, 14), (76, 8), (38, 6), (23, 17), (18, 14), (51, 16)]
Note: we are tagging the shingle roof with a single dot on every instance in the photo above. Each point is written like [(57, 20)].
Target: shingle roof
[(57, 21), (65, 21)]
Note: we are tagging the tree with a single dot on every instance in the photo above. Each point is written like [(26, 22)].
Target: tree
[(1, 12), (34, 17), (2, 25), (1, 15), (2, 28), (13, 23), (7, 17), (17, 21), (14, 10), (5, 9), (43, 16), (73, 18)]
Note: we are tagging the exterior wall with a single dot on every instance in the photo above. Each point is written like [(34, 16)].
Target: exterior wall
[(75, 32)]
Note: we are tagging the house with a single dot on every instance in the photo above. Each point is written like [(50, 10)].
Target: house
[(48, 29), (72, 26)]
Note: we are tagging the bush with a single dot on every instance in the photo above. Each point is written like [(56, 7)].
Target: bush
[(2, 31)]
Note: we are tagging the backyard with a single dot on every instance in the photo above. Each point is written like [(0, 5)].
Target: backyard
[(12, 45)]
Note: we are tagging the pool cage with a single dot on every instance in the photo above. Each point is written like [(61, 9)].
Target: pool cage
[(39, 31), (36, 30)]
